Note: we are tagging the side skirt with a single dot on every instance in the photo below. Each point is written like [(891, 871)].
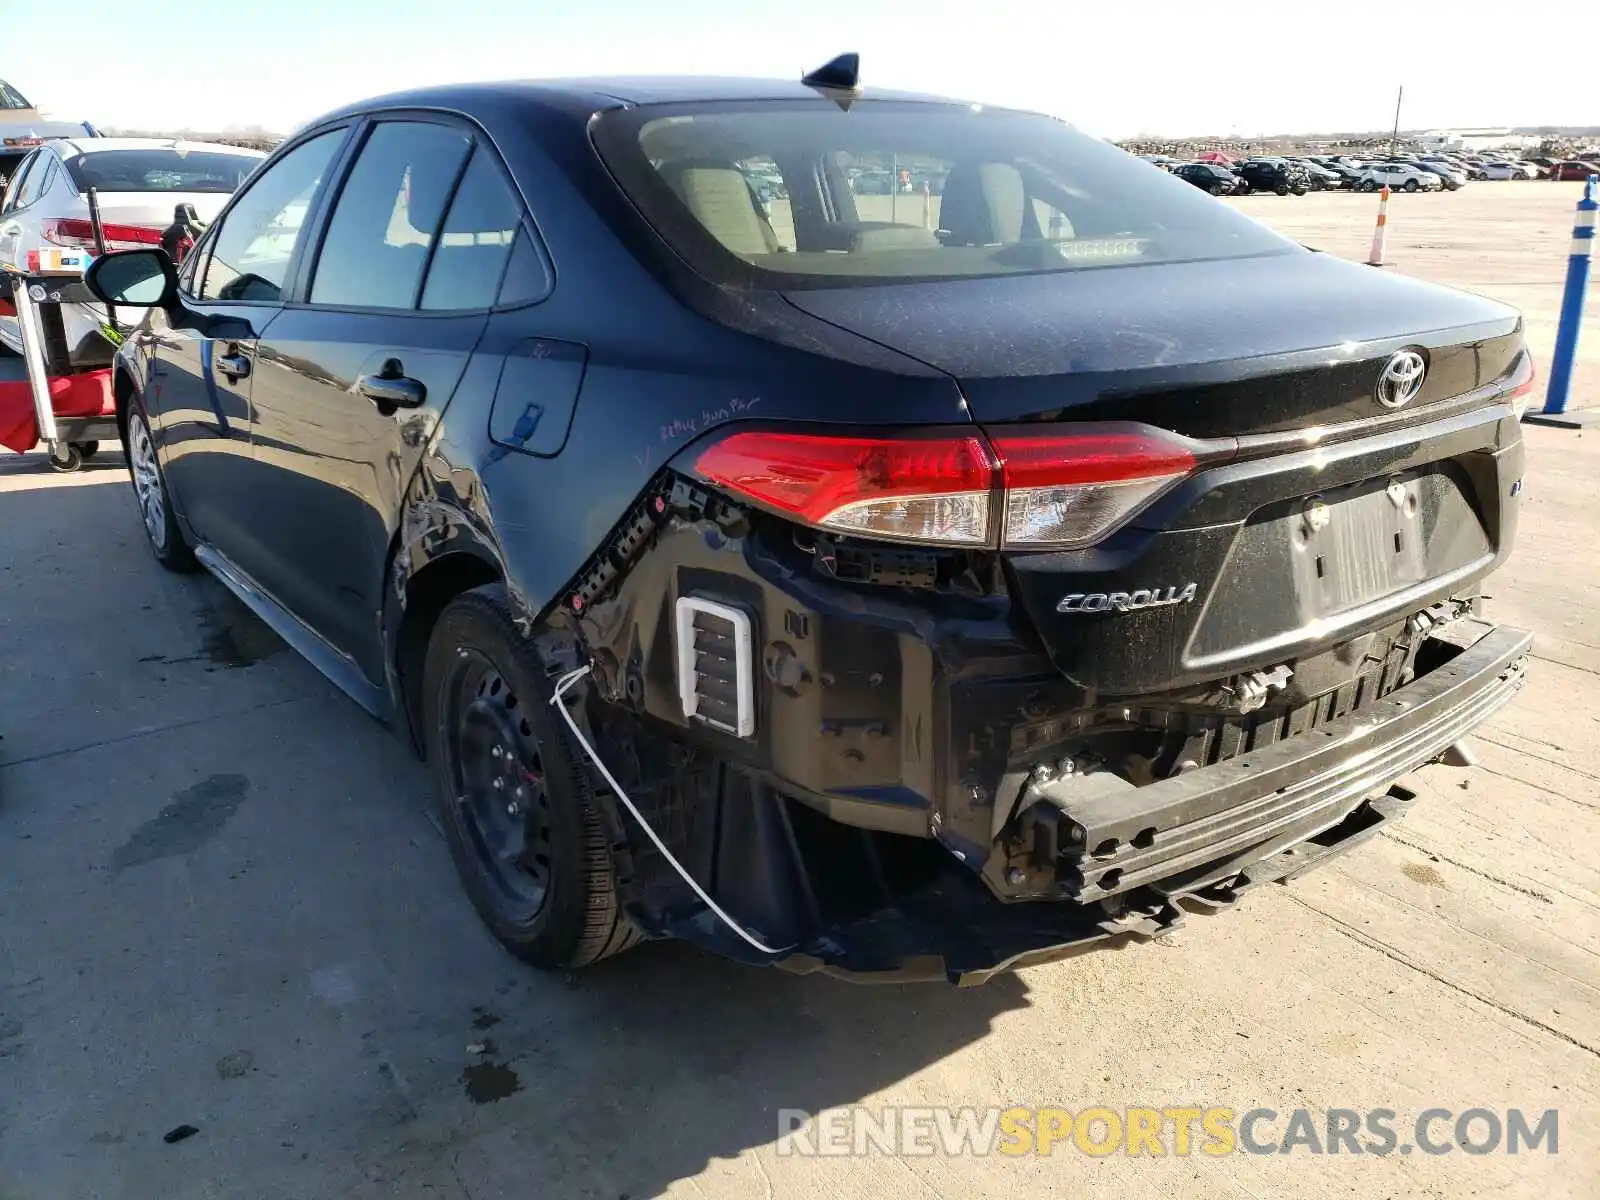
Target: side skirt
[(338, 666)]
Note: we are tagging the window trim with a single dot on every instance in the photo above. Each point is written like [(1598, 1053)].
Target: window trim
[(313, 213)]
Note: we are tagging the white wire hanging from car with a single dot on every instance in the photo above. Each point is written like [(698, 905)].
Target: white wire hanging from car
[(562, 685)]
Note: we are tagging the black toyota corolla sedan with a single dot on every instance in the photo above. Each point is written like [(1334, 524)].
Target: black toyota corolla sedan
[(891, 582)]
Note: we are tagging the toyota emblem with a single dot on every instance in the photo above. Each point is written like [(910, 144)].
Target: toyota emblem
[(1401, 379)]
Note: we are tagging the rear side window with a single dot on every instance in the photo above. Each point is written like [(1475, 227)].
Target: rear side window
[(250, 253), (388, 216), (31, 185), (476, 241), (891, 191)]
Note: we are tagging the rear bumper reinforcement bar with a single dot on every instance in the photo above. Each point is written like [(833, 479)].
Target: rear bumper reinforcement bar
[(1256, 804)]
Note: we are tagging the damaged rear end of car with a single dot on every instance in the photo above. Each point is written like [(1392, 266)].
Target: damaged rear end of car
[(1193, 580)]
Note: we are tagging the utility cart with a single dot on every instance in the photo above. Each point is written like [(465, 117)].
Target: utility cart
[(43, 397)]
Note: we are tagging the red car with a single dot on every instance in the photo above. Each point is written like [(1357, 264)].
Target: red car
[(1574, 169)]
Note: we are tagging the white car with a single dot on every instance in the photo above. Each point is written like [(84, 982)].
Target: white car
[(1398, 177), (1510, 170), (139, 182)]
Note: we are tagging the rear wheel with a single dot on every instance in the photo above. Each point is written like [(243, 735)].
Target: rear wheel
[(155, 502), (521, 820), (1282, 189)]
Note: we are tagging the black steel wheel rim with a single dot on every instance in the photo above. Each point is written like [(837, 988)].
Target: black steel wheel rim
[(498, 786)]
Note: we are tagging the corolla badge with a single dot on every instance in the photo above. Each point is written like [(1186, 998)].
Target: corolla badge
[(1401, 379), (1093, 602)]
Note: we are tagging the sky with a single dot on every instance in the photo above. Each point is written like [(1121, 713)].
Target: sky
[(1116, 69)]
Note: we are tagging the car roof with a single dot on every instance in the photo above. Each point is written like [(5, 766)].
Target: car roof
[(100, 145), (581, 97)]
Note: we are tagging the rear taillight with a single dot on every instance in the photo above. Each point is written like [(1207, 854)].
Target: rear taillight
[(79, 233), (1520, 389), (1067, 490), (1020, 488), (917, 489)]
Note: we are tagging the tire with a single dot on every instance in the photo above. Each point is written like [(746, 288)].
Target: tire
[(1282, 189), (520, 817), (1411, 185), (152, 497), (88, 449), (1216, 189), (1366, 185), (67, 462)]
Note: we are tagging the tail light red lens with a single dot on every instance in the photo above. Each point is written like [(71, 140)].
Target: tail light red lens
[(79, 233), (919, 489), (1018, 488)]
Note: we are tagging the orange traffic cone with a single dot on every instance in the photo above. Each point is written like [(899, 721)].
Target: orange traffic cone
[(1380, 235)]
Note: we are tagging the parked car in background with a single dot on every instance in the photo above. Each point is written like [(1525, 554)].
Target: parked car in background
[(872, 572), (22, 127), (1349, 173), (1323, 179), (1208, 177), (1504, 170), (1448, 175), (139, 183), (1574, 168), (1273, 175), (1399, 177), (1163, 161), (872, 183)]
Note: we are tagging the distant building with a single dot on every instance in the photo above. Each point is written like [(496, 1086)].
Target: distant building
[(1477, 139)]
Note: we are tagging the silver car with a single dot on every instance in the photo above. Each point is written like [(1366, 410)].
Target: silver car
[(138, 182)]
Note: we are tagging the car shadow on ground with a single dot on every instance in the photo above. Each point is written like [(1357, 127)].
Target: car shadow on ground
[(696, 1060), (615, 1081)]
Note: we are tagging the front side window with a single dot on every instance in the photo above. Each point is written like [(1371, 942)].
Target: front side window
[(250, 253), (388, 215), (890, 191)]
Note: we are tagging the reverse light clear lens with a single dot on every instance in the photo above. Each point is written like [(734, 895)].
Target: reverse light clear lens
[(960, 517), (1072, 516)]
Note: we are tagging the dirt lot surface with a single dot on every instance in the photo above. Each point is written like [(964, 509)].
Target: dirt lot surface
[(223, 906)]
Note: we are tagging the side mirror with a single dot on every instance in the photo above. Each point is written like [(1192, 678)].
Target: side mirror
[(137, 278)]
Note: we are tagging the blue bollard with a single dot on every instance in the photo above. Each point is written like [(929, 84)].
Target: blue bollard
[(1555, 400)]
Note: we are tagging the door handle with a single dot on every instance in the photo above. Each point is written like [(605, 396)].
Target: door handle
[(234, 366), (391, 388)]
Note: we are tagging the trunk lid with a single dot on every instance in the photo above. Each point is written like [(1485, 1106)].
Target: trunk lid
[(1215, 349), (154, 210), (1319, 516)]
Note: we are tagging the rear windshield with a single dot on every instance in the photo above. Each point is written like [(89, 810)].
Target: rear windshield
[(11, 98), (160, 170), (798, 194)]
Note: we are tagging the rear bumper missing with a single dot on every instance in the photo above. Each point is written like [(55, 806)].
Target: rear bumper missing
[(1201, 826)]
